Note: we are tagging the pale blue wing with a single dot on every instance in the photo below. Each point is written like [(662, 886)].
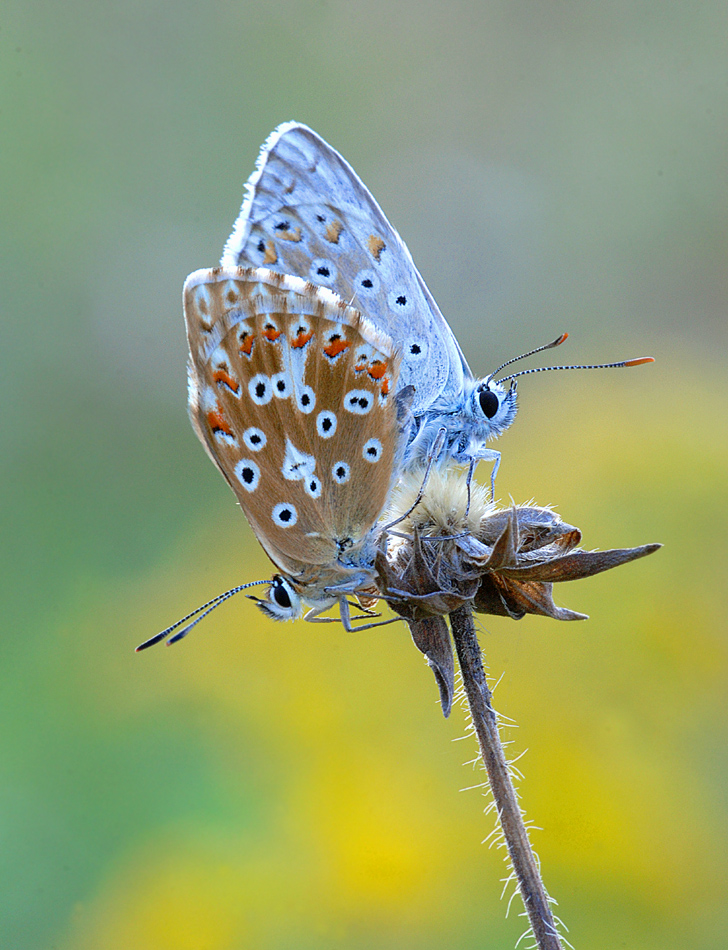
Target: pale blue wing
[(307, 213)]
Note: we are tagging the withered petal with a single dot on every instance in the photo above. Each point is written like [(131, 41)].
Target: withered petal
[(490, 600), (432, 637), (577, 564), (537, 527), (506, 546), (498, 595)]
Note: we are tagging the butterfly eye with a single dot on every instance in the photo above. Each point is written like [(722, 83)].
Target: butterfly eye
[(489, 402), (279, 593), (281, 601)]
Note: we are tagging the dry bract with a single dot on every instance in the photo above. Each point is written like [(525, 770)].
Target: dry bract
[(500, 561)]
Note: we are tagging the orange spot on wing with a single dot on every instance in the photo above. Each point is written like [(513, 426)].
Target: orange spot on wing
[(377, 369), (246, 343), (217, 423), (271, 256), (385, 386), (301, 340), (270, 333), (333, 231), (221, 375), (376, 246), (290, 235), (335, 347)]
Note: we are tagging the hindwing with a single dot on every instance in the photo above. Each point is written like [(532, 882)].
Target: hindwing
[(292, 393)]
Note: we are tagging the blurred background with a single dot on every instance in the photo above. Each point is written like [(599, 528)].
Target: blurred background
[(552, 167)]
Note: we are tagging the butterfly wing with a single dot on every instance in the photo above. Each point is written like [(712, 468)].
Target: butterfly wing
[(292, 393), (307, 213)]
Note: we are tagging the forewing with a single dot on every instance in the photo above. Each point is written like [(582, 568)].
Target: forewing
[(307, 213), (292, 393)]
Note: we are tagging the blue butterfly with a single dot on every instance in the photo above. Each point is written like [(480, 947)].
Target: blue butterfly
[(307, 213)]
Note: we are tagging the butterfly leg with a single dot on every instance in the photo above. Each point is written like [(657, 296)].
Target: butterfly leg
[(346, 619), (365, 610), (471, 469), (484, 455), (494, 472), (313, 615)]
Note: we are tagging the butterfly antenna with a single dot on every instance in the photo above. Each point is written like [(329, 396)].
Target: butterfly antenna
[(539, 349), (546, 369), (202, 610)]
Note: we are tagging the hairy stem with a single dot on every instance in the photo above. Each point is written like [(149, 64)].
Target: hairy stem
[(484, 719)]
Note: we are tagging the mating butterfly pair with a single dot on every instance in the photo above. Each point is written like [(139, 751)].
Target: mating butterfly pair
[(320, 371)]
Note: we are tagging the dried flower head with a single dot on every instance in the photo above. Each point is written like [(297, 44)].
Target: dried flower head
[(455, 548)]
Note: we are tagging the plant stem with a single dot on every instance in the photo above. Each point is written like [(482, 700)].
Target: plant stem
[(485, 722)]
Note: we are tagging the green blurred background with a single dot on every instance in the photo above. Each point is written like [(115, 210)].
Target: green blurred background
[(557, 166)]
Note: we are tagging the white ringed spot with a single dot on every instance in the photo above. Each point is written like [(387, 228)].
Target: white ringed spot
[(260, 389), (322, 271), (400, 301), (326, 424), (248, 474), (372, 450), (415, 349), (306, 399), (358, 401), (284, 515), (367, 282), (313, 486), (255, 439), (341, 473), (281, 385)]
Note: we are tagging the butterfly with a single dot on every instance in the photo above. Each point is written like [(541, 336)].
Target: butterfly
[(347, 375), (306, 212), (294, 396)]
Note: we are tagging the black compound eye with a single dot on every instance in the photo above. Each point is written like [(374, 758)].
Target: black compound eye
[(280, 595), (488, 403)]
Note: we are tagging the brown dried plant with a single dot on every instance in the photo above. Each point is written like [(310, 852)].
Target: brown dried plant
[(452, 554)]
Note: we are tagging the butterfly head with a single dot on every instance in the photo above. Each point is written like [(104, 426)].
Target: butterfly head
[(493, 406), (281, 601)]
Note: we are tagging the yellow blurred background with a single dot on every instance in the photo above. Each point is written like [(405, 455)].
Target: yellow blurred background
[(552, 167)]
